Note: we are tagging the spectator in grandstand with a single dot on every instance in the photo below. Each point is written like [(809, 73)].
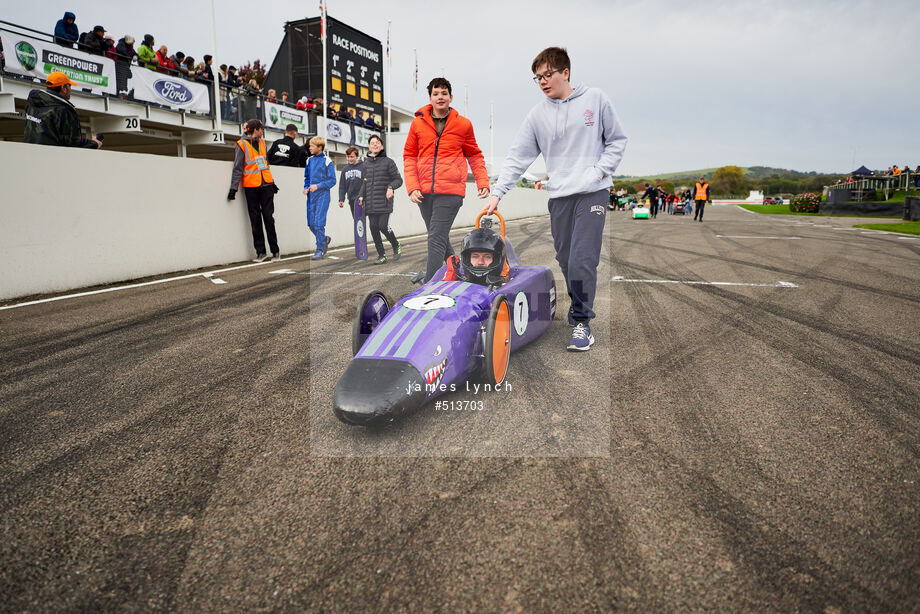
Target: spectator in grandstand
[(343, 114), (66, 32), (284, 98), (124, 51), (178, 62), (318, 179), (110, 47), (302, 104), (351, 180), (286, 151), (895, 170), (190, 73), (252, 88), (164, 64), (233, 79), (381, 177), (93, 42), (251, 168), (272, 96), (146, 56), (51, 118), (370, 124), (204, 70)]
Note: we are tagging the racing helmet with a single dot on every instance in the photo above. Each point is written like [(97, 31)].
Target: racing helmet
[(483, 239)]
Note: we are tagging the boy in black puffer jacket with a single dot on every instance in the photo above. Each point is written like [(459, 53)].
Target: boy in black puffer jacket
[(381, 177)]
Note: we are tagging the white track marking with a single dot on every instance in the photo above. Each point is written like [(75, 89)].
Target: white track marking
[(778, 284), (757, 237), (141, 285), (214, 280)]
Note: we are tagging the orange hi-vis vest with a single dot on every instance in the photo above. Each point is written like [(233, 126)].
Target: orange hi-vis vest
[(255, 166), (700, 191)]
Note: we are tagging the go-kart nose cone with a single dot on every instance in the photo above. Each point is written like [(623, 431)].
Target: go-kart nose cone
[(376, 391)]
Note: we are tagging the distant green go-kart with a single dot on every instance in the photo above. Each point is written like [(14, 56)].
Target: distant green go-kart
[(640, 213)]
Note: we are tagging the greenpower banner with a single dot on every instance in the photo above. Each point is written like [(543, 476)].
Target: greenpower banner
[(278, 116), (363, 136), (36, 58)]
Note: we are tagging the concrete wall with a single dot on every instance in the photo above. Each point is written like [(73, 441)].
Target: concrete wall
[(72, 218)]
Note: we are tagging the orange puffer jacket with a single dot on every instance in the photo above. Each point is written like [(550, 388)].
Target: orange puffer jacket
[(437, 165)]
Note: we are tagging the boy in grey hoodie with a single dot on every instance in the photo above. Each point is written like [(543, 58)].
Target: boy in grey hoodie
[(578, 132)]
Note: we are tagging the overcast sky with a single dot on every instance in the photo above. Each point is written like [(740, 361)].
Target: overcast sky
[(807, 85)]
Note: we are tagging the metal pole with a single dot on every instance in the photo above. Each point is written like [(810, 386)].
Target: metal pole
[(216, 79), (325, 27), (389, 91), (492, 136)]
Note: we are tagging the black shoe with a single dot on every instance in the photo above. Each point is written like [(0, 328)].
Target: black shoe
[(328, 241), (418, 278), (276, 256), (398, 252), (261, 258), (381, 260)]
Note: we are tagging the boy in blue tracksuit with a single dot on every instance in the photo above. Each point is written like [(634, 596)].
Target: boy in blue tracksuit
[(578, 132), (318, 179)]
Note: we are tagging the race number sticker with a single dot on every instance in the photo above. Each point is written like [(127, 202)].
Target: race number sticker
[(430, 302), (521, 314), (359, 225)]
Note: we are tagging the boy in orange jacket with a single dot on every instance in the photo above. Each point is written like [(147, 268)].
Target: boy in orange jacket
[(439, 146)]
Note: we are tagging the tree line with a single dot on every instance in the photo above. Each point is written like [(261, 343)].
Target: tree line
[(732, 182)]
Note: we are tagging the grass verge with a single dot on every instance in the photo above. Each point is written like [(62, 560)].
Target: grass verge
[(784, 210), (908, 228)]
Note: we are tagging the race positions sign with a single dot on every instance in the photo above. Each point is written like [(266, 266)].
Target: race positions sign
[(355, 69)]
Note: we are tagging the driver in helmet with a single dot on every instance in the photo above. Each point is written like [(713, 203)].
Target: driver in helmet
[(482, 259)]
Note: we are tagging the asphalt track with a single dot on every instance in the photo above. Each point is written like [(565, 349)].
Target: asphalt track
[(171, 446)]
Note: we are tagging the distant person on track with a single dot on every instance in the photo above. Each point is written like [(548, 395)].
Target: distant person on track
[(51, 118), (578, 132), (381, 178), (438, 148), (250, 166), (700, 197), (651, 193), (318, 179)]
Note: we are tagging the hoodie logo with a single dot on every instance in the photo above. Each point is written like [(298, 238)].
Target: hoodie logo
[(598, 209), (589, 117)]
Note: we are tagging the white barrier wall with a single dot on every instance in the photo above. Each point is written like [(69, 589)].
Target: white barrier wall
[(71, 218)]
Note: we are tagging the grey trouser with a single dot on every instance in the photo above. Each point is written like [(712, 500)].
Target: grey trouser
[(577, 223), (439, 212)]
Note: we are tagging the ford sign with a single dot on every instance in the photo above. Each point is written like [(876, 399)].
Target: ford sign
[(172, 92), (333, 130)]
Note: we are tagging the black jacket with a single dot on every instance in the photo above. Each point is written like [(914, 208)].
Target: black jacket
[(91, 42), (286, 152), (380, 173), (52, 120)]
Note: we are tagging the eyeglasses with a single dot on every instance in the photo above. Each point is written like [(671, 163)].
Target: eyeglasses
[(547, 76)]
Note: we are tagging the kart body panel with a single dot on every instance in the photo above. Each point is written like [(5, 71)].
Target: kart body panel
[(640, 213), (431, 341)]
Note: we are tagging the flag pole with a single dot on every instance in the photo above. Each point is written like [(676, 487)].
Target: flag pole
[(325, 68), (492, 136), (389, 81), (215, 85)]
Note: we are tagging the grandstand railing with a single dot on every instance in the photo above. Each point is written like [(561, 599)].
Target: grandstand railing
[(886, 183), (237, 104)]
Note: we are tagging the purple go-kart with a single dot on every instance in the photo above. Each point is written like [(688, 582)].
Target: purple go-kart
[(436, 338)]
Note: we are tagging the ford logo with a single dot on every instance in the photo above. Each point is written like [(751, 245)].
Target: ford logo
[(172, 91), (333, 130)]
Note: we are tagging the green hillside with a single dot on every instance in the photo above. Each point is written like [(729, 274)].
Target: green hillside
[(751, 172)]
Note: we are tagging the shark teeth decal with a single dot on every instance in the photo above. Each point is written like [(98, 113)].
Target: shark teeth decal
[(434, 374)]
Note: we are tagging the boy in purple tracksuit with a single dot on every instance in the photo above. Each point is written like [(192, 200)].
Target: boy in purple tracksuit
[(578, 132), (318, 179)]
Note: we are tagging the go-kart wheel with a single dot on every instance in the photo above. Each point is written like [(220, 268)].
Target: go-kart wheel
[(497, 350), (370, 312)]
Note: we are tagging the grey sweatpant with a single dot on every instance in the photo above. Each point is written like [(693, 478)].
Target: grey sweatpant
[(577, 224), (439, 212)]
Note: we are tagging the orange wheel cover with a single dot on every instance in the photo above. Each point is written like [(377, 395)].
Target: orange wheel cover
[(501, 342)]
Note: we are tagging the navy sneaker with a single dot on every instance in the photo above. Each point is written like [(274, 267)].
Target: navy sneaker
[(582, 339), (398, 252), (381, 260)]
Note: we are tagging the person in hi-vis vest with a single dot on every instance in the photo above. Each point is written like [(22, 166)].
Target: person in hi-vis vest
[(250, 166), (700, 197)]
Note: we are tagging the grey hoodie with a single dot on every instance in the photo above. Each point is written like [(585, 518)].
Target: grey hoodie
[(581, 141)]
